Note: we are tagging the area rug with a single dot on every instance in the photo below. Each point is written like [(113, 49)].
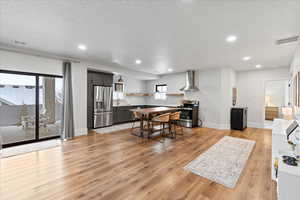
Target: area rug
[(224, 162), (27, 148)]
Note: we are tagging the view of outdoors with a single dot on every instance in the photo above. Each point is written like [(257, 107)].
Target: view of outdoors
[(50, 108), (18, 107)]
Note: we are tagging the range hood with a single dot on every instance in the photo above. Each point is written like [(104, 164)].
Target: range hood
[(190, 82)]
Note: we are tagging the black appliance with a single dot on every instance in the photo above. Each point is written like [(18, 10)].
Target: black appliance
[(189, 113), (238, 118)]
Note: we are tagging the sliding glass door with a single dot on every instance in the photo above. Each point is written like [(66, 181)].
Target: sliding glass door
[(30, 107), (50, 106), (17, 108)]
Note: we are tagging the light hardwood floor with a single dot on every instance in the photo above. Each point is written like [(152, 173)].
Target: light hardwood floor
[(122, 166)]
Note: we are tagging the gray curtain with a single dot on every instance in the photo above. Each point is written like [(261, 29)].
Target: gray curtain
[(0, 144), (67, 118)]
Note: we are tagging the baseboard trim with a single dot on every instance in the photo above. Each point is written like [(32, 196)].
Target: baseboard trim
[(81, 131), (216, 126), (113, 128), (224, 126), (84, 131), (255, 125), (210, 125), (227, 126)]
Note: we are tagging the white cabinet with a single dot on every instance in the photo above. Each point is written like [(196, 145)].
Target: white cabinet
[(288, 179)]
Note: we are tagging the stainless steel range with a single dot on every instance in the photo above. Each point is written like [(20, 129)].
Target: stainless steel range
[(189, 113)]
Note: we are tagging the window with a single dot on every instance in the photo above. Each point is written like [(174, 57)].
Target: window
[(160, 91), (161, 88)]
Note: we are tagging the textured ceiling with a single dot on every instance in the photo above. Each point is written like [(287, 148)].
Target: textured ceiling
[(183, 34)]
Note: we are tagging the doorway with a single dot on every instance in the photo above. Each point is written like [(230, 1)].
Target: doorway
[(30, 107), (276, 100)]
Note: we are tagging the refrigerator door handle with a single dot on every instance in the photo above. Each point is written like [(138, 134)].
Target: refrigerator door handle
[(98, 99), (107, 98)]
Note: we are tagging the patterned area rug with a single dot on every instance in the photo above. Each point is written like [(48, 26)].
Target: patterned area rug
[(224, 162)]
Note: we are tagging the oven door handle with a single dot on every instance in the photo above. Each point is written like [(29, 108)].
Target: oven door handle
[(186, 120)]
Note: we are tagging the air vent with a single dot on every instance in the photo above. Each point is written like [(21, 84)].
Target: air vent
[(287, 40), (19, 42)]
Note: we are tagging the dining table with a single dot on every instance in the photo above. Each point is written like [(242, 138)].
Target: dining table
[(146, 115)]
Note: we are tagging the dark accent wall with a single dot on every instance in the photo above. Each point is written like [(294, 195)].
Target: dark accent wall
[(95, 78)]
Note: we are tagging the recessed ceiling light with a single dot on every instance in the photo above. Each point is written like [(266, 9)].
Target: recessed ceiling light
[(82, 47), (246, 58), (138, 61), (258, 66), (170, 70), (231, 38)]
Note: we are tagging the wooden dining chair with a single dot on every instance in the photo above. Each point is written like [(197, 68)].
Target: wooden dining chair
[(137, 118), (175, 123), (161, 120)]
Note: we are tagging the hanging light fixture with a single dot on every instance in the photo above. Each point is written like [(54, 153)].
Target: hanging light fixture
[(120, 80)]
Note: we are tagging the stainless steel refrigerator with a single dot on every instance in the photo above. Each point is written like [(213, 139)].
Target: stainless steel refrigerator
[(103, 114)]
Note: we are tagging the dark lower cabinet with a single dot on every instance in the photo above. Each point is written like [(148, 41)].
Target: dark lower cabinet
[(122, 114), (115, 115)]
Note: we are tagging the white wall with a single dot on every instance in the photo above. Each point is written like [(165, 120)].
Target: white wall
[(228, 82), (174, 83), (79, 82), (209, 95), (133, 85), (117, 69), (295, 64), (27, 63), (215, 96), (251, 91)]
